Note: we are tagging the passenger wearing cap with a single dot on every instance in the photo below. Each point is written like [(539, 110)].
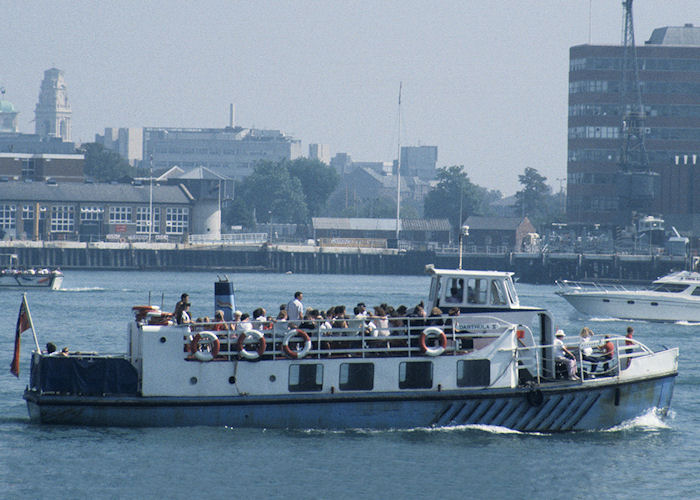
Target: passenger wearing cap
[(562, 354)]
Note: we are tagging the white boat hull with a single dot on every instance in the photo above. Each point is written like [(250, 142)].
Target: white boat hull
[(635, 306), (51, 281)]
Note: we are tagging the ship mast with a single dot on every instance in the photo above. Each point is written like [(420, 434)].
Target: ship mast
[(398, 176)]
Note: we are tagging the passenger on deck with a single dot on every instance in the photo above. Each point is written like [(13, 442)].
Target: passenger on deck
[(184, 298), (608, 351), (260, 319), (629, 346), (245, 324), (340, 320), (295, 308), (64, 351), (586, 347), (361, 310), (219, 324), (184, 317), (380, 322), (436, 318), (563, 355)]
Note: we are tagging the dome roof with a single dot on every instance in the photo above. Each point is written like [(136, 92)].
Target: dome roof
[(7, 107)]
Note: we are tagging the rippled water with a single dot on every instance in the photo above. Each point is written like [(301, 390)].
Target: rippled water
[(644, 458)]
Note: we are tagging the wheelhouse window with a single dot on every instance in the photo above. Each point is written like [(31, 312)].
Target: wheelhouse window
[(696, 291), (416, 375), (62, 219), (473, 373), (142, 220), (7, 216), (498, 293), (477, 290), (454, 291), (119, 215), (356, 376), (177, 220), (307, 377)]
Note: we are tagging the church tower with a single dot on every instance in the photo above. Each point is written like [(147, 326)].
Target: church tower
[(53, 113)]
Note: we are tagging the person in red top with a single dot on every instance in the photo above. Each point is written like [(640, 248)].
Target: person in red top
[(608, 351), (628, 350)]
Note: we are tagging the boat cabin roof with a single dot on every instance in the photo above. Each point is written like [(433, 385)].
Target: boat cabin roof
[(471, 290)]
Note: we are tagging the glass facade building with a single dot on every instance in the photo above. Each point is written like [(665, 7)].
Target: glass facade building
[(669, 76)]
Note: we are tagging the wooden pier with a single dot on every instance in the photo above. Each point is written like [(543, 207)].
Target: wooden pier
[(529, 267)]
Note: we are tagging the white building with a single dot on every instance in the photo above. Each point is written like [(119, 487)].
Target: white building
[(230, 151), (128, 142), (53, 112), (320, 152)]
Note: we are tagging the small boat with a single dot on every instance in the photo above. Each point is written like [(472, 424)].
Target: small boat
[(483, 359), (12, 276), (674, 297)]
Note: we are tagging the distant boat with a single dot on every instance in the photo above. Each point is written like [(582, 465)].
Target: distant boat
[(12, 276), (674, 297)]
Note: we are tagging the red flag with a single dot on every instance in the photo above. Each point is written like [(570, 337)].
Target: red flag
[(23, 324)]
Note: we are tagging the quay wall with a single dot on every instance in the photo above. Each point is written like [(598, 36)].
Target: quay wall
[(528, 267)]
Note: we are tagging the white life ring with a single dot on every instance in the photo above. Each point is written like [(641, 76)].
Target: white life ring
[(205, 346), (251, 336), (294, 354), (433, 331)]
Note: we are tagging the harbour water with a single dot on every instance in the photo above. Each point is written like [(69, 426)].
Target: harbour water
[(644, 458)]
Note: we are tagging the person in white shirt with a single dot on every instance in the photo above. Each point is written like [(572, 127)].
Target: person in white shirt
[(295, 308), (561, 353)]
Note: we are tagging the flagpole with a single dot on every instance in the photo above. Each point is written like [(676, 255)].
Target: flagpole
[(31, 323)]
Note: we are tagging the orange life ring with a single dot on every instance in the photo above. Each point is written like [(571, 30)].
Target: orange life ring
[(294, 354), (256, 336), (208, 340), (429, 332)]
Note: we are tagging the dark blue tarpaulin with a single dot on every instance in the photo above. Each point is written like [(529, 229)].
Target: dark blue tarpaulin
[(84, 375)]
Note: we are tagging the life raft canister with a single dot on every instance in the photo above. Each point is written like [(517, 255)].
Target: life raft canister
[(249, 337), (292, 353), (433, 332), (205, 346)]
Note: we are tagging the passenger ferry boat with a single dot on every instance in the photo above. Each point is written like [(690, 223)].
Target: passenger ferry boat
[(12, 276), (487, 360), (674, 297)]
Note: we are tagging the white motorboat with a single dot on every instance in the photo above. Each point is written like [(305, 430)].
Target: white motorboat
[(13, 276), (674, 297)]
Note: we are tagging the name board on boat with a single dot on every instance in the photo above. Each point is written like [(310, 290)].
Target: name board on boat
[(479, 327)]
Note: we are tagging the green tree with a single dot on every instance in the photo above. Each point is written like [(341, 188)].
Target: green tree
[(273, 194), (105, 165), (535, 200), (318, 181), (454, 190)]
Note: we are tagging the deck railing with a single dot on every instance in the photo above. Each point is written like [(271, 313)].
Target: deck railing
[(406, 336)]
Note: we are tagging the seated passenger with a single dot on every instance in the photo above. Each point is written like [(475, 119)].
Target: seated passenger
[(563, 355), (219, 324)]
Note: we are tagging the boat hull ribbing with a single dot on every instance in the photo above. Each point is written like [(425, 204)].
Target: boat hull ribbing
[(599, 404)]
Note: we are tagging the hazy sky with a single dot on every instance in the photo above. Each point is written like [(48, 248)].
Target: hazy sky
[(485, 81)]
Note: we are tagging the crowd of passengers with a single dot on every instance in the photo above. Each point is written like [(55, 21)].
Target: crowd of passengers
[(385, 320)]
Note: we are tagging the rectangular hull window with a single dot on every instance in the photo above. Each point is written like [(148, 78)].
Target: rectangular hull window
[(473, 373), (303, 378), (416, 375), (356, 376)]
